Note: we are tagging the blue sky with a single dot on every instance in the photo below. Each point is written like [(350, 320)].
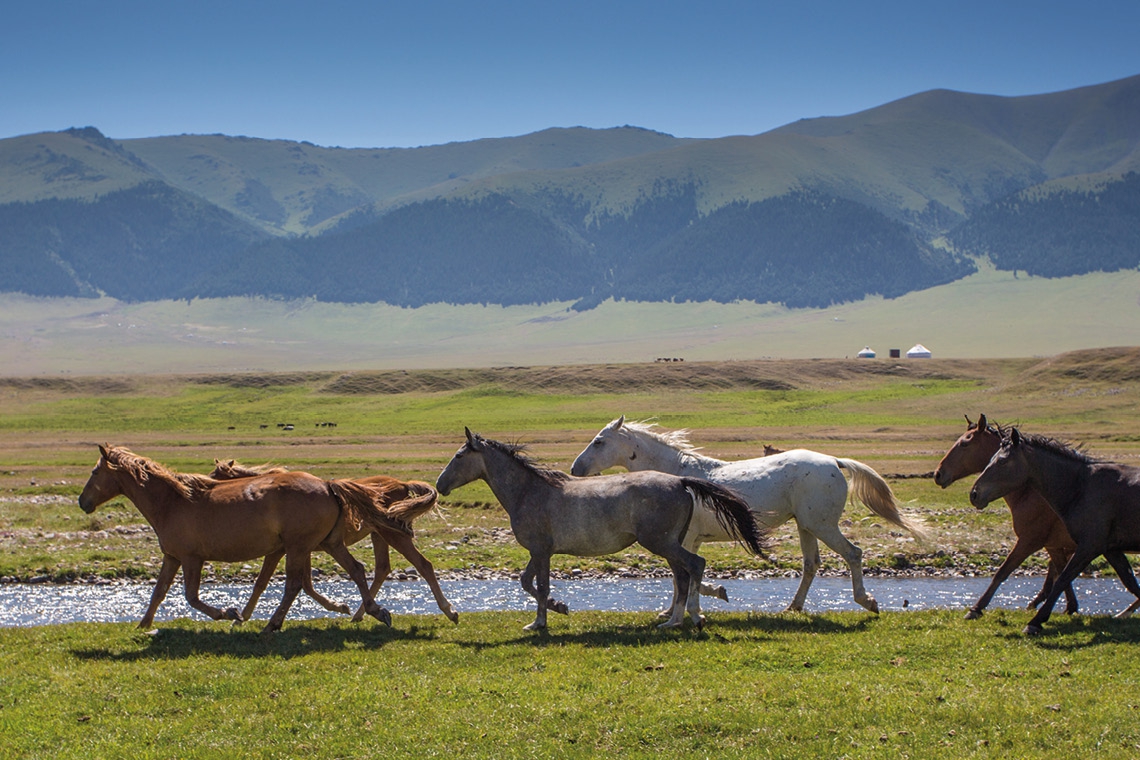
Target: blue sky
[(388, 74)]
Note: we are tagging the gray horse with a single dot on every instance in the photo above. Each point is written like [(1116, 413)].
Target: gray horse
[(555, 513)]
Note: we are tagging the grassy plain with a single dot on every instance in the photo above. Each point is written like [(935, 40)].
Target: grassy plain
[(925, 684), (988, 315)]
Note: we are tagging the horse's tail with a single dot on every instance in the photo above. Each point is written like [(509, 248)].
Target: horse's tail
[(869, 487), (731, 512), (366, 505), (421, 498)]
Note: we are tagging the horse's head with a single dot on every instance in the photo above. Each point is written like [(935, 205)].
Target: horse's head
[(970, 453), (613, 446), (467, 465), (103, 485), (1007, 470)]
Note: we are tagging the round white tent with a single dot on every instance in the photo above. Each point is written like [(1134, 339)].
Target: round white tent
[(918, 352)]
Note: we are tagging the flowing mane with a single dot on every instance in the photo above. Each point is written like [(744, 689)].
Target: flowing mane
[(518, 452), (674, 439), (1061, 448), (188, 485)]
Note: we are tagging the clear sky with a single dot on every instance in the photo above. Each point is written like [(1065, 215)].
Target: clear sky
[(397, 73)]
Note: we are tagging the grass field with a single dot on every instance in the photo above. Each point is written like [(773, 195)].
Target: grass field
[(923, 685), (988, 315)]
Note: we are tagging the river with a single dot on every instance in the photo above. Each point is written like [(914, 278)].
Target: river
[(47, 604)]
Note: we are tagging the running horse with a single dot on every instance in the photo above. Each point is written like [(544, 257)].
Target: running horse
[(555, 513), (1099, 502), (802, 485), (1035, 523), (197, 518), (404, 502)]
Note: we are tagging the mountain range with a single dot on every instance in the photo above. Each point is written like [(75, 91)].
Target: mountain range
[(905, 196)]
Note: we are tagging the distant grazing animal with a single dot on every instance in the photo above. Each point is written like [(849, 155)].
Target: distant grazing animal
[(770, 450), (1099, 502), (554, 513), (404, 501), (198, 518), (799, 484), (1035, 523)]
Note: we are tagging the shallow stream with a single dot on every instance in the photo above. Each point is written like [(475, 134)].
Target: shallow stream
[(43, 604)]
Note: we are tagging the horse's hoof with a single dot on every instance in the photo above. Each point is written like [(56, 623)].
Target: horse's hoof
[(358, 616), (452, 615), (560, 607), (793, 607), (535, 626), (665, 614), (270, 628), (231, 613), (721, 593), (1032, 630), (668, 624), (382, 615), (343, 609), (700, 621), (870, 604), (973, 614)]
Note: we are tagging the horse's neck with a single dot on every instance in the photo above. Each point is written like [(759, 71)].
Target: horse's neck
[(149, 498), (510, 480), (1057, 478), (653, 454)]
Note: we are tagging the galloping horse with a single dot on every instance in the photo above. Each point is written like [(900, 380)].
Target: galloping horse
[(1099, 502), (799, 484), (1035, 523), (198, 518), (404, 502), (555, 513)]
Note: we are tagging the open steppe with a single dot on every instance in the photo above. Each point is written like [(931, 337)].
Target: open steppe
[(899, 416)]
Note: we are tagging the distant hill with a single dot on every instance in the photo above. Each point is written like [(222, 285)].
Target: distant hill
[(886, 201)]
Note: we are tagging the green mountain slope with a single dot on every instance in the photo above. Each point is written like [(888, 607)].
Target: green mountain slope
[(822, 211)]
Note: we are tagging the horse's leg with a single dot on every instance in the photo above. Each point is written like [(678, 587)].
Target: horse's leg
[(383, 568), (853, 556), (683, 580), (1058, 558), (355, 570), (809, 545), (1123, 569), (166, 575), (696, 570), (539, 569), (405, 546), (192, 580), (318, 597), (1020, 552), (1081, 557), (268, 566), (678, 602), (296, 563)]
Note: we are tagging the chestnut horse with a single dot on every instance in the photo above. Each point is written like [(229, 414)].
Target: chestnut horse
[(404, 502), (1099, 502), (1035, 523), (198, 518)]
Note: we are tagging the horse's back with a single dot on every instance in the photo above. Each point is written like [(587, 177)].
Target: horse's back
[(783, 483)]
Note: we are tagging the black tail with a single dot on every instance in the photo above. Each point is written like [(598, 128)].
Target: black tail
[(731, 512)]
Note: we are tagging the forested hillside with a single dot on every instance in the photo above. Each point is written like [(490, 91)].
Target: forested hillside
[(894, 199)]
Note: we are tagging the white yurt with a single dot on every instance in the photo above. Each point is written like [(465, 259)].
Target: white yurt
[(866, 353), (918, 352)]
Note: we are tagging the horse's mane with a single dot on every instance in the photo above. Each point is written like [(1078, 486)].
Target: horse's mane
[(233, 470), (518, 452), (1063, 449), (674, 439), (142, 469)]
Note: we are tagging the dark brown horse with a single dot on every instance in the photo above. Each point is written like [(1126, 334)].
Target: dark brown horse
[(1099, 502), (1035, 523), (198, 519), (404, 501)]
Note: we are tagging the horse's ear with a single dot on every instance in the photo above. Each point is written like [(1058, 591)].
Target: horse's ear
[(472, 439), (968, 423), (103, 450), (1015, 437), (616, 424), (982, 423)]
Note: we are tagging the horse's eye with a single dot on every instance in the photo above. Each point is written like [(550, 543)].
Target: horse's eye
[(598, 442)]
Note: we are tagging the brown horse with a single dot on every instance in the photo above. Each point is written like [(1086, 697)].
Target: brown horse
[(404, 502), (198, 518), (1035, 524), (1098, 501)]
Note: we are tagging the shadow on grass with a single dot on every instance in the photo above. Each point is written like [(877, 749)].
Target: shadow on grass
[(750, 627), (1070, 633), (295, 640)]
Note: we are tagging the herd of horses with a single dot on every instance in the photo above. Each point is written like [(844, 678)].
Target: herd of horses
[(670, 499)]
